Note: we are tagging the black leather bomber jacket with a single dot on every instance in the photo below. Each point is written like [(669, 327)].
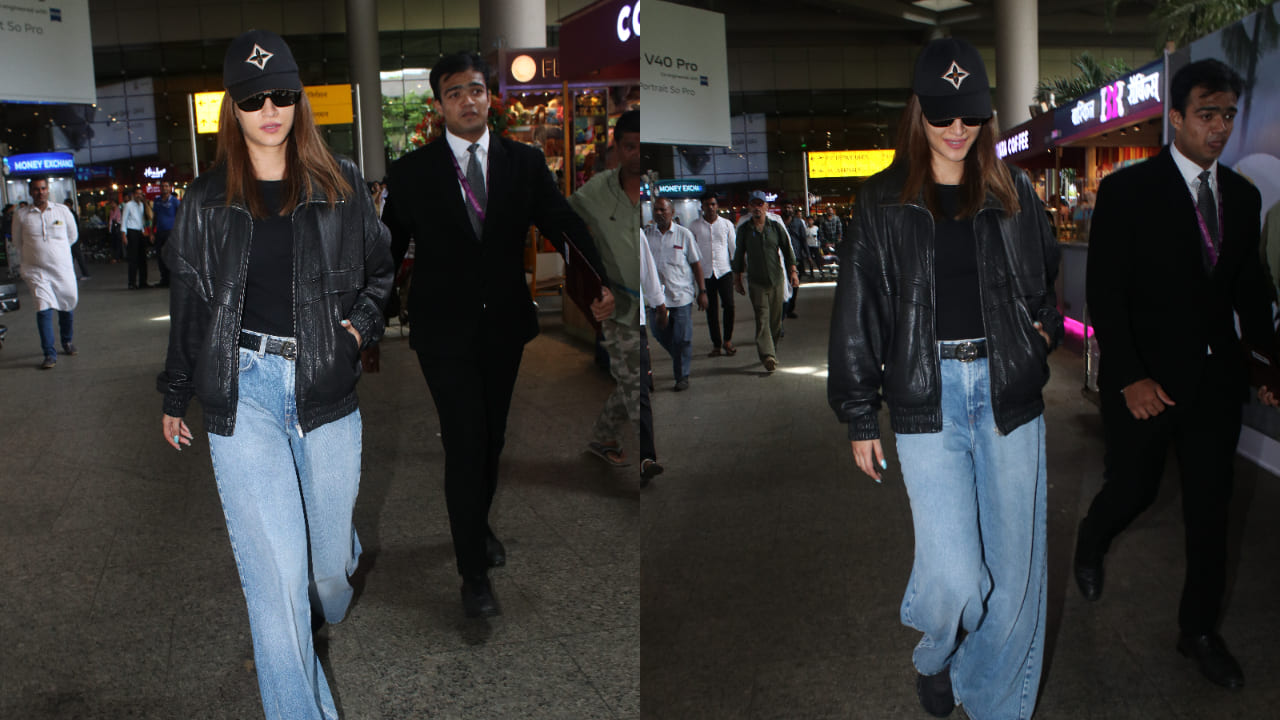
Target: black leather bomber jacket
[(882, 328), (341, 270)]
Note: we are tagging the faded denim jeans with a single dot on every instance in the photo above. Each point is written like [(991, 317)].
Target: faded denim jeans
[(288, 500), (977, 588)]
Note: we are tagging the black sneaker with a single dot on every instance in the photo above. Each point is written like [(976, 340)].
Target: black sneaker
[(935, 693)]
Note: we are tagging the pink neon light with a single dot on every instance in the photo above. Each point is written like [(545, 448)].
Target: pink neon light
[(1075, 328)]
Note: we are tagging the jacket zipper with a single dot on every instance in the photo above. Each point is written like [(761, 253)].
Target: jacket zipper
[(932, 254), (293, 289)]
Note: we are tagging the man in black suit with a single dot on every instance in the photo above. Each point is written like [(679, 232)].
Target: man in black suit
[(468, 198), (1172, 254)]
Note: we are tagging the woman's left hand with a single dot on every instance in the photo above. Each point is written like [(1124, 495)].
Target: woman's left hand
[(1040, 329), (354, 332)]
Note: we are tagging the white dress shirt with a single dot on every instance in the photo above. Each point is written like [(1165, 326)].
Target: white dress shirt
[(717, 242), (651, 289), (675, 252), (1191, 174), (134, 216), (459, 148)]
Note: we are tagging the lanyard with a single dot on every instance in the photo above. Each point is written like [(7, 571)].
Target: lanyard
[(466, 187), (1204, 230)]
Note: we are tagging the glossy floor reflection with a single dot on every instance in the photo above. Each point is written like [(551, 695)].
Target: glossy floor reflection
[(118, 592), (773, 569)]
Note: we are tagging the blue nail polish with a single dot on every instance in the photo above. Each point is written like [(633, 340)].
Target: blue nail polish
[(175, 439), (884, 465)]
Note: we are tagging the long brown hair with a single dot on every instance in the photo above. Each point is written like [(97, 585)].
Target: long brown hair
[(983, 171), (309, 166)]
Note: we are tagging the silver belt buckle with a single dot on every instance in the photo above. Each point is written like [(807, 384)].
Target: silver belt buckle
[(289, 350), (967, 351)]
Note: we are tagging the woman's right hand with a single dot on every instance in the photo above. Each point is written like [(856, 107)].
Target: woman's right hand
[(176, 432), (870, 457)]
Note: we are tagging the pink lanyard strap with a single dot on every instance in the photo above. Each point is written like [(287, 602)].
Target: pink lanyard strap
[(466, 187), (1205, 236)]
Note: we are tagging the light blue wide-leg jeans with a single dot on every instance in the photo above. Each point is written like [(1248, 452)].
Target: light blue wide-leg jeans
[(288, 500), (977, 588)]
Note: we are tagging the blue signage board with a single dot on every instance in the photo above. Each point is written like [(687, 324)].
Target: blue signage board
[(688, 188), (39, 164)]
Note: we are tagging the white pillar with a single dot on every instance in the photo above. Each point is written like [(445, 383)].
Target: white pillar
[(363, 67), (1017, 59), (512, 24)]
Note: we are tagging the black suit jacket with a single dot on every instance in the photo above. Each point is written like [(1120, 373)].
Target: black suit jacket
[(470, 292), (1154, 306)]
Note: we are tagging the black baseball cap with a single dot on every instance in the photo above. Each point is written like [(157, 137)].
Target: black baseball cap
[(256, 61), (951, 81)]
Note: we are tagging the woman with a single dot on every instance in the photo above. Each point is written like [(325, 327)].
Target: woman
[(945, 307), (812, 246), (115, 231), (281, 268)]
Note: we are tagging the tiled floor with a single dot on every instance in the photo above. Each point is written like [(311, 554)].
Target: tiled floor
[(118, 592), (772, 570)]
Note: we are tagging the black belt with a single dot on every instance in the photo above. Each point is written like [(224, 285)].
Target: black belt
[(965, 351), (287, 349)]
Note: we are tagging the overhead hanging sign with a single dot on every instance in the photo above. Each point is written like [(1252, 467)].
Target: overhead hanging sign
[(46, 52), (684, 77), (848, 163), (330, 105), (39, 164)]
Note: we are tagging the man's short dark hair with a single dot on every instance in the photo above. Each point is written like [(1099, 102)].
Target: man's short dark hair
[(709, 196), (1214, 75), (628, 122), (456, 63)]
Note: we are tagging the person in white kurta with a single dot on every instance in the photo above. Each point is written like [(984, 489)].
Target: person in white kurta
[(43, 233)]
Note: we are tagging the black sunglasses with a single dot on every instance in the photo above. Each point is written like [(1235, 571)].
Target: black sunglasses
[(279, 98), (968, 122)]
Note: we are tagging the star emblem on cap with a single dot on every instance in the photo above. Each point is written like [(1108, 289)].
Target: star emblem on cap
[(259, 57), (955, 74)]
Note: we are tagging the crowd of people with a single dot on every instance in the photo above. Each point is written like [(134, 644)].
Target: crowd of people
[(944, 312)]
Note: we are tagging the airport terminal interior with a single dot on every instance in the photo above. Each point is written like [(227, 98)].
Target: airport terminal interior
[(759, 577)]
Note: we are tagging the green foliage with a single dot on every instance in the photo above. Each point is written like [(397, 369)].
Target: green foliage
[(400, 115), (1182, 21), (1093, 74)]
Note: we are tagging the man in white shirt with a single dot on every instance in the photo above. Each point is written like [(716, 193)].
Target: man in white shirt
[(134, 220), (715, 238), (676, 255), (43, 233)]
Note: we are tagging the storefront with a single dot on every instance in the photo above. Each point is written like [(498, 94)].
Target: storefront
[(58, 168), (600, 63), (1115, 126)]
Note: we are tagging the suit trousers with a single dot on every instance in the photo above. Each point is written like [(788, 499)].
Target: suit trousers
[(472, 394), (136, 250), (1203, 430), (720, 294), (647, 449), (162, 237)]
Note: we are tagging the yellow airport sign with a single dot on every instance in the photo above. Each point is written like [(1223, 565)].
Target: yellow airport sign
[(848, 163), (330, 105), (208, 108)]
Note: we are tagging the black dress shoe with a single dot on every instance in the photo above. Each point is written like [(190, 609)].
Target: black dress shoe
[(1088, 567), (935, 693), (494, 552), (478, 599), (1213, 658)]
